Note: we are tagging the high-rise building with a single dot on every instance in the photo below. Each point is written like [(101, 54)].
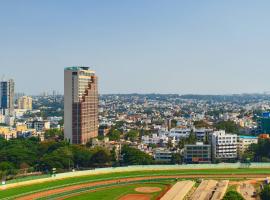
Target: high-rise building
[(81, 105), (224, 146), (25, 102), (7, 97)]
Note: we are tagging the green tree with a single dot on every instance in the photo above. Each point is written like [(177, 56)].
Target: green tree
[(176, 158), (132, 135), (101, 157), (173, 123), (247, 156), (54, 134), (233, 195), (18, 151), (50, 146), (132, 156), (61, 159), (114, 157), (3, 124), (169, 144), (228, 126), (265, 194), (191, 139), (118, 125), (114, 135), (81, 156), (261, 151), (201, 124), (153, 146), (144, 132), (8, 168)]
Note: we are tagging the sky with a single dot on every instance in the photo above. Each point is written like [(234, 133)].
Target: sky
[(138, 46)]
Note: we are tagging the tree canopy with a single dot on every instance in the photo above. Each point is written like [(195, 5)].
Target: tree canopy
[(54, 134), (201, 124), (132, 156), (259, 152), (26, 154), (228, 126), (114, 135), (132, 135), (233, 195), (265, 194)]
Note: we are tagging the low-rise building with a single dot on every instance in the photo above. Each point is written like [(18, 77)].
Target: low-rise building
[(21, 127), (155, 139), (7, 132), (202, 134), (7, 119), (180, 133), (197, 153), (107, 144), (19, 113), (38, 125), (162, 155), (103, 130), (244, 143), (264, 136), (30, 133)]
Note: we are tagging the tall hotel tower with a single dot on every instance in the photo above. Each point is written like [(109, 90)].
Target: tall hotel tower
[(7, 96), (81, 105)]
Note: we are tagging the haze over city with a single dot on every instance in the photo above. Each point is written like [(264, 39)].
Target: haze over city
[(138, 46)]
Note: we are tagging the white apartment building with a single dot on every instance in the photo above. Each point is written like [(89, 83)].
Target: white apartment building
[(146, 139), (155, 139), (224, 146), (180, 133)]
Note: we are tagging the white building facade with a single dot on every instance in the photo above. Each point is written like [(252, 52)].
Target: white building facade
[(179, 133), (224, 146)]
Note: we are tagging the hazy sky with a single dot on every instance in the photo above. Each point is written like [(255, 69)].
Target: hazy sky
[(144, 46)]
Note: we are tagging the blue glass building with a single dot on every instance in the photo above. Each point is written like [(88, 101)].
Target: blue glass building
[(7, 96)]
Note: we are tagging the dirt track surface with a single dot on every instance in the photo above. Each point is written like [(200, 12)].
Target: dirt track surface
[(147, 189), (76, 187), (135, 197)]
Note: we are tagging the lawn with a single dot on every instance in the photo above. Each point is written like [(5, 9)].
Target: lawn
[(232, 188), (28, 178), (10, 193), (116, 192)]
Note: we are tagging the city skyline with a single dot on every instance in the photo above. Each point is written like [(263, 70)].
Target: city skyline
[(135, 99), (138, 47)]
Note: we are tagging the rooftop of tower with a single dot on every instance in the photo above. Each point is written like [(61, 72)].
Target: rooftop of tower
[(75, 68)]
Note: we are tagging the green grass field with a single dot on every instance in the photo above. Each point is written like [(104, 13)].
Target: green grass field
[(11, 193), (28, 178), (116, 192)]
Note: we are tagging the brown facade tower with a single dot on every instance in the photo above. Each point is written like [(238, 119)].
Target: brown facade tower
[(81, 105)]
